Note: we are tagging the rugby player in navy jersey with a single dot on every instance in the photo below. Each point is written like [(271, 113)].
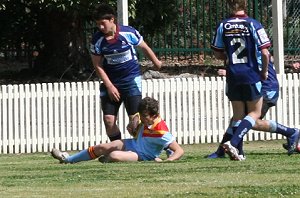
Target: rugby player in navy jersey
[(270, 91), (115, 60), (242, 43)]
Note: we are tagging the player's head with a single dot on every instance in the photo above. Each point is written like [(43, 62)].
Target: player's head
[(104, 11), (149, 105), (237, 5), (105, 17), (148, 110)]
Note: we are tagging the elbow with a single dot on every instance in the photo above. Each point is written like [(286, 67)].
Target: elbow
[(265, 53), (220, 55)]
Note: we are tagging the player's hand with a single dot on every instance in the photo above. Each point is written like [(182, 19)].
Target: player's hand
[(222, 72), (130, 128), (158, 65), (133, 124), (296, 65), (159, 160), (113, 93), (264, 75)]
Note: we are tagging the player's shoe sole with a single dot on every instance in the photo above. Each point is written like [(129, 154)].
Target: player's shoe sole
[(61, 156), (232, 151), (103, 159)]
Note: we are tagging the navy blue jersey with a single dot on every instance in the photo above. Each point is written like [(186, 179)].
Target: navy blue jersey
[(120, 58), (242, 38)]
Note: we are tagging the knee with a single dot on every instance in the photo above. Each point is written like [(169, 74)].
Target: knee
[(109, 120), (258, 124), (99, 149), (255, 115), (113, 157), (261, 125)]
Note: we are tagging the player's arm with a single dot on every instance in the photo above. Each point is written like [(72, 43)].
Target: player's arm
[(265, 62), (178, 151), (217, 44), (150, 54), (220, 55), (111, 89)]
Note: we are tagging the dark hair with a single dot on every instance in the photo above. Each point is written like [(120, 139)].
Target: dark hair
[(104, 11), (149, 105), (237, 5)]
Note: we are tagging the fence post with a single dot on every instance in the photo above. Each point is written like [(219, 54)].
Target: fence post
[(255, 9), (278, 36), (122, 12)]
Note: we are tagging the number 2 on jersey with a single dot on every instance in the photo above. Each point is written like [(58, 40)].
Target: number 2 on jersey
[(236, 57)]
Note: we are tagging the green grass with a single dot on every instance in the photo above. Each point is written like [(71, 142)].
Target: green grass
[(267, 172)]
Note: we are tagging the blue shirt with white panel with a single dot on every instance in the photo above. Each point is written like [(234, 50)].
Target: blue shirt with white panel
[(120, 58)]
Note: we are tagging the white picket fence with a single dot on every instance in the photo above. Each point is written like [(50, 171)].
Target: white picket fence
[(38, 117)]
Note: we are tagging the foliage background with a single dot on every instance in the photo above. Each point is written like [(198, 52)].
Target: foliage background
[(56, 32), (47, 40)]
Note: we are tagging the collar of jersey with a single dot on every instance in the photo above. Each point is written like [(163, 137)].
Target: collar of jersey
[(239, 15), (116, 35)]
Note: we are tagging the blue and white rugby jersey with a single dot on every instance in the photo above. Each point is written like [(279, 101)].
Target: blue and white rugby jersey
[(242, 38), (120, 58)]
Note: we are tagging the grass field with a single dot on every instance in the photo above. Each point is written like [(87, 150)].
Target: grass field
[(267, 172)]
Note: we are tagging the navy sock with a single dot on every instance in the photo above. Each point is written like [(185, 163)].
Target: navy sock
[(234, 129), (243, 128), (220, 151), (116, 137), (226, 138), (280, 129), (240, 145), (230, 131), (235, 125), (240, 148)]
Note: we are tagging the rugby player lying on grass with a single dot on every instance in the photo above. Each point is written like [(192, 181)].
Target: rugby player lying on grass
[(151, 134)]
